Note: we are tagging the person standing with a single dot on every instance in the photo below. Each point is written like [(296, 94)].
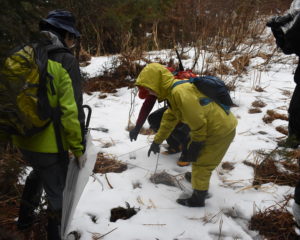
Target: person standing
[(47, 151), (211, 128)]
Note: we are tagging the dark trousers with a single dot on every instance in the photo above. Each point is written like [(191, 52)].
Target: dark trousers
[(294, 113), (179, 137), (49, 173)]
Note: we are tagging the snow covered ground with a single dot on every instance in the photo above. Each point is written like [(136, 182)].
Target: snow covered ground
[(234, 200)]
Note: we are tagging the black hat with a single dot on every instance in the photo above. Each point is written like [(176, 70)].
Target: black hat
[(62, 19)]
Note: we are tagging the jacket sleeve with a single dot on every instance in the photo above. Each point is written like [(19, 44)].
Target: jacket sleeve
[(193, 114), (70, 101), (167, 125), (145, 110)]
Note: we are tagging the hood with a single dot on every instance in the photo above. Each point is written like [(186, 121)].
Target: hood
[(53, 38), (157, 78)]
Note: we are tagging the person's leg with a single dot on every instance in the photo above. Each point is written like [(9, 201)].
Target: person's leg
[(184, 140), (30, 200), (293, 139), (31, 196), (209, 158), (53, 177), (52, 170)]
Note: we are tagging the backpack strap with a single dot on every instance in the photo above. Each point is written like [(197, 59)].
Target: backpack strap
[(56, 125), (182, 81)]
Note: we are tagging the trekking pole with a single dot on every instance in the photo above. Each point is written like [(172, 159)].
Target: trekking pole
[(181, 68)]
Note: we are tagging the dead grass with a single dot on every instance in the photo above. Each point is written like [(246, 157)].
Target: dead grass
[(106, 163), (259, 89), (104, 84), (279, 167), (282, 130), (275, 223), (241, 63), (258, 104), (254, 110), (272, 115)]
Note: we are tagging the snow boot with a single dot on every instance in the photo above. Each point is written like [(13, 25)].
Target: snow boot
[(181, 161), (196, 200)]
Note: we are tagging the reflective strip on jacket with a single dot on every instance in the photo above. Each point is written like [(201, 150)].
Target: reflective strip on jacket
[(64, 69), (206, 122)]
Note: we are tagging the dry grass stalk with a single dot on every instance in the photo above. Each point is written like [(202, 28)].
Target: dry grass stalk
[(106, 164), (241, 63), (275, 223)]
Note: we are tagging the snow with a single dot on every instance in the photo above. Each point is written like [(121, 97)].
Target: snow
[(233, 199)]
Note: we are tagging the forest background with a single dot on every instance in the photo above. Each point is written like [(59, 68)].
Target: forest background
[(218, 31), (110, 27)]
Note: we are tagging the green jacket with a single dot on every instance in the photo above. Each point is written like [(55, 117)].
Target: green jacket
[(64, 69), (207, 123)]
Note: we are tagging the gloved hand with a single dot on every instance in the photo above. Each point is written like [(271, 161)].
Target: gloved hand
[(278, 21), (80, 161), (296, 212), (154, 148), (134, 133), (193, 151)]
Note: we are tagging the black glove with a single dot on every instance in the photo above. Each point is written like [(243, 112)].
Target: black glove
[(134, 133), (278, 21), (193, 151), (154, 148)]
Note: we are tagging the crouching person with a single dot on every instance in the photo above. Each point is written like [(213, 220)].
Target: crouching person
[(212, 129)]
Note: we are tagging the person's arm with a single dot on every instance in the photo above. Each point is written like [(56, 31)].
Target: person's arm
[(145, 110), (143, 114), (70, 102), (167, 125)]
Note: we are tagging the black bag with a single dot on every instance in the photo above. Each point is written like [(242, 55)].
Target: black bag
[(286, 30)]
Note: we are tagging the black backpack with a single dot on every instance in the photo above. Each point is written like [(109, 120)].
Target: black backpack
[(214, 88), (286, 30)]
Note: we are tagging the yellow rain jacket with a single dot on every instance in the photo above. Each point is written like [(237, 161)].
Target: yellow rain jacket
[(209, 124), (206, 122)]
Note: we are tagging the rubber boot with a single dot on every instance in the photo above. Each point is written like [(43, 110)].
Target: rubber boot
[(30, 201), (196, 200)]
